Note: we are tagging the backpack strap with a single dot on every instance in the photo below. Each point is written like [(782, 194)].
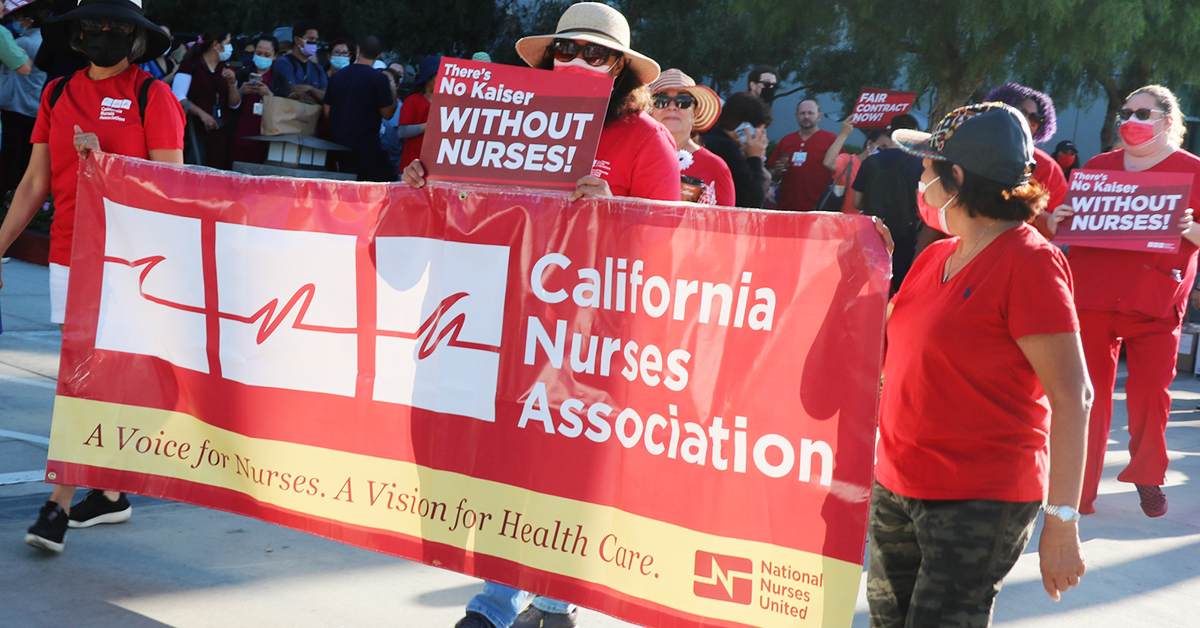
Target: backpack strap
[(59, 86), (144, 97)]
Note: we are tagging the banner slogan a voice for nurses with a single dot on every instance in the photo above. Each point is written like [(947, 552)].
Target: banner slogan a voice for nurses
[(596, 401)]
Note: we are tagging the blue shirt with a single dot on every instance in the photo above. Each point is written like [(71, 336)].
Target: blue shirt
[(290, 68), (355, 96)]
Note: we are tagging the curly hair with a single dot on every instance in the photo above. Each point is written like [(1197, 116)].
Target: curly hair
[(1014, 94)]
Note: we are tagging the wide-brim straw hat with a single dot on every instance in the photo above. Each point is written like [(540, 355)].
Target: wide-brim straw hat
[(708, 104), (57, 30), (596, 23)]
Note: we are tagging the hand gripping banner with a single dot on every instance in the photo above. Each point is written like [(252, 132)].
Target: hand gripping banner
[(665, 412)]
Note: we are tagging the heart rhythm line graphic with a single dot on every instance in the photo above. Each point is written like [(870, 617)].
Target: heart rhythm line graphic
[(270, 316)]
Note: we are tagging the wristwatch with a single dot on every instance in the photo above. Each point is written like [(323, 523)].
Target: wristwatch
[(1066, 513)]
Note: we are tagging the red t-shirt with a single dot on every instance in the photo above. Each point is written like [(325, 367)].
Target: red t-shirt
[(1050, 174), (714, 172), (1137, 282), (108, 108), (963, 415), (414, 111), (806, 177), (637, 158)]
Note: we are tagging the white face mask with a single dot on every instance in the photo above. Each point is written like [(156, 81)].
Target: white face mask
[(579, 66), (226, 52)]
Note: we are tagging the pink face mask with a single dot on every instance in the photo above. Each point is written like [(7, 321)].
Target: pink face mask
[(579, 66), (935, 217), (1137, 132)]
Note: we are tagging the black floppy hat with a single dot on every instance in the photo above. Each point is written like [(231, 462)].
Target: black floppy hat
[(56, 31)]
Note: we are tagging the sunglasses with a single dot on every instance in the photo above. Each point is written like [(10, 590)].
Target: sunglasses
[(683, 101), (593, 54), (1142, 114), (767, 84), (95, 26)]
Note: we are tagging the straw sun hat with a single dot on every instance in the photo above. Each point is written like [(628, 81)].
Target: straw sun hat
[(596, 23), (708, 104)]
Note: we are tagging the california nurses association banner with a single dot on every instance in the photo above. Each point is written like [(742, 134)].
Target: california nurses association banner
[(664, 412)]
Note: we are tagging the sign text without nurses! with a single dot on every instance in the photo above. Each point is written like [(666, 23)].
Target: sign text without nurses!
[(1134, 211), (492, 123), (876, 107)]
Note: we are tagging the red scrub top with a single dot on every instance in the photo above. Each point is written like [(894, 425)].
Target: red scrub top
[(637, 158), (806, 177)]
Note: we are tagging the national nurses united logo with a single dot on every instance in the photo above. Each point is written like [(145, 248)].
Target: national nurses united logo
[(724, 578)]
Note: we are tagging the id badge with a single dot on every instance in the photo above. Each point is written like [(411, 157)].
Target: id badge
[(799, 157), (258, 108)]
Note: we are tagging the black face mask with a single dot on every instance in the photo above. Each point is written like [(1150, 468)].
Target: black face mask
[(106, 48), (768, 93)]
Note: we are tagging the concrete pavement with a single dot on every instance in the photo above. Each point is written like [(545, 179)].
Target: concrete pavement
[(187, 567)]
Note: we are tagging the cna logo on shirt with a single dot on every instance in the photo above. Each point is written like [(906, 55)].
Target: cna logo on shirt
[(114, 108), (724, 578)]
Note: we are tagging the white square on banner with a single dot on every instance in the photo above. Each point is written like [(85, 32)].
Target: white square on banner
[(311, 345), (440, 320), (162, 314)]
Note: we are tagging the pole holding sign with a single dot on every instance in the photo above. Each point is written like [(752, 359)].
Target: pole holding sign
[(503, 124), (876, 107), (1133, 211)]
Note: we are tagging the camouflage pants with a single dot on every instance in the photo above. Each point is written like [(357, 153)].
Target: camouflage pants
[(940, 563)]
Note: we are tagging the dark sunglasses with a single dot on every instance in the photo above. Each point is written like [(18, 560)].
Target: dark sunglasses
[(1142, 114), (1035, 117), (767, 84), (593, 54), (683, 101), (95, 26)]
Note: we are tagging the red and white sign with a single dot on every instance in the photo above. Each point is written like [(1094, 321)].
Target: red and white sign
[(491, 123), (1133, 211), (876, 107), (630, 405)]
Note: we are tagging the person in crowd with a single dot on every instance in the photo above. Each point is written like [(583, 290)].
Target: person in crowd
[(415, 111), (208, 89), (297, 73), (50, 60), (1136, 298), (844, 167), (797, 160), (389, 131), (254, 82), (339, 56), (482, 56), (687, 109), (1067, 157), (1043, 123), (965, 458), (635, 158), (359, 99), (114, 37), (739, 138), (762, 82), (886, 186), (12, 57), (398, 68), (164, 67), (247, 57), (19, 93)]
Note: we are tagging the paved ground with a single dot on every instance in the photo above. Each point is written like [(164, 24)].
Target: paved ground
[(187, 567)]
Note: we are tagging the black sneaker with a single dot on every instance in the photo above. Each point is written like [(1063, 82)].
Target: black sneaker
[(48, 531), (96, 508), (534, 617), (474, 620)]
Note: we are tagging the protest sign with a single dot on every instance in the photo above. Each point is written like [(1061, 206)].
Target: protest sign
[(630, 405), (491, 123), (1133, 211), (875, 108)]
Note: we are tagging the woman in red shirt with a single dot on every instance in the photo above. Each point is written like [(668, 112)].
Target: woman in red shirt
[(414, 113), (1043, 123), (982, 343), (1136, 298), (685, 108), (99, 106)]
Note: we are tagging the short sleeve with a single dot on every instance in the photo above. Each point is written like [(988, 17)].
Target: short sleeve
[(41, 126), (11, 54), (384, 90), (1041, 295), (656, 167), (164, 119)]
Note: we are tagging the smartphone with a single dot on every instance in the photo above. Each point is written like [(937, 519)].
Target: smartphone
[(255, 78), (743, 131)]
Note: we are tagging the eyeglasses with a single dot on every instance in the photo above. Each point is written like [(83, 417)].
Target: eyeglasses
[(95, 26), (683, 101), (593, 54), (1142, 114), (1035, 117)]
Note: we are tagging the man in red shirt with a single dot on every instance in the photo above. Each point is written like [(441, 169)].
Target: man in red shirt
[(798, 159)]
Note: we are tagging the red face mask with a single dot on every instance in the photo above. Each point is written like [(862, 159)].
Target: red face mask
[(1137, 133), (1065, 160)]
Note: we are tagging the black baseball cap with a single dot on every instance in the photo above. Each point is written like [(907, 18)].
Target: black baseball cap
[(990, 139)]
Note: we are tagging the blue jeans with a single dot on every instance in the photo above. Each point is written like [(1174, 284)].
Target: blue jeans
[(501, 604)]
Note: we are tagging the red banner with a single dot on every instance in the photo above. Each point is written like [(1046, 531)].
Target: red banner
[(876, 107), (505, 124), (665, 412), (1133, 211)]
